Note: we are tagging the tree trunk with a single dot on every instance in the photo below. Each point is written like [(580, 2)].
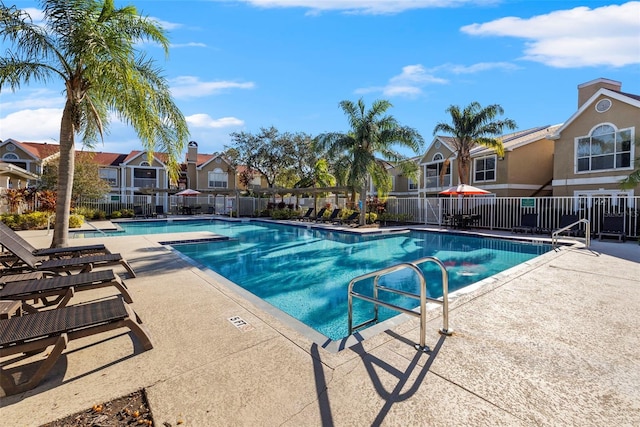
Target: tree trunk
[(363, 201), (65, 179), (463, 168)]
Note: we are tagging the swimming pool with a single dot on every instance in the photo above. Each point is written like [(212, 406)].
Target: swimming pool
[(305, 271)]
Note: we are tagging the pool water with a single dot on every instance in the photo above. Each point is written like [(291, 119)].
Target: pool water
[(305, 272)]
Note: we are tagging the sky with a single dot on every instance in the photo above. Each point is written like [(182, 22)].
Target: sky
[(241, 65)]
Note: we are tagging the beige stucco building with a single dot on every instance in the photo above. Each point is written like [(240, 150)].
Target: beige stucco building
[(525, 170), (596, 147)]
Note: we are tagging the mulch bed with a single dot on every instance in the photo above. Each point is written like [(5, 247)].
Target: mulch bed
[(131, 410)]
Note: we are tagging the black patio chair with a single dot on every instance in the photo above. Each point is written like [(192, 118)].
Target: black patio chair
[(528, 224), (613, 226)]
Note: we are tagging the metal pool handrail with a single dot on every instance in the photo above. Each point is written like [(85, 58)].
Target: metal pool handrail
[(587, 232), (422, 297)]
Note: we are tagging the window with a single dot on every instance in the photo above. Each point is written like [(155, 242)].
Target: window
[(144, 177), (484, 169), (437, 174), (14, 160), (605, 148), (109, 175), (218, 178), (413, 185)]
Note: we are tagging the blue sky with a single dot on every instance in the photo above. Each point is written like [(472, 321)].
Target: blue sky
[(239, 65)]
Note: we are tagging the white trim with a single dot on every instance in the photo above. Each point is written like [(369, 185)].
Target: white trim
[(495, 168), (631, 129), (615, 195), (588, 181), (454, 153), (600, 80), (603, 91), (514, 187)]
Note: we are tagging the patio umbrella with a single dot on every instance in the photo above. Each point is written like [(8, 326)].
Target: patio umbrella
[(461, 191), (188, 192), (464, 190)]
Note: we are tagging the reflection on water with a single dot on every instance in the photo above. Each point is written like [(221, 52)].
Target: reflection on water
[(306, 272)]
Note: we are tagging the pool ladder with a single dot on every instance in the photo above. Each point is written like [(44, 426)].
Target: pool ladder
[(587, 233), (422, 297)]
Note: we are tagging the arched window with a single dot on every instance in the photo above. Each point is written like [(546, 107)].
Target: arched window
[(437, 174), (218, 179), (10, 156), (604, 148)]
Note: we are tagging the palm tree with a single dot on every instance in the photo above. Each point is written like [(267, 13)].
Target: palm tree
[(472, 126), (368, 144), (633, 179), (90, 46), (319, 176)]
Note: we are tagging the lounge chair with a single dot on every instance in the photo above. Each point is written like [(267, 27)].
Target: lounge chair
[(306, 215), (34, 333), (353, 218), (25, 260), (332, 217), (568, 219), (60, 287), (159, 212), (7, 234), (319, 215), (528, 224), (612, 226), (138, 212)]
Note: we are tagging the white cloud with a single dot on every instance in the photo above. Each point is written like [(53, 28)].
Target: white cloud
[(206, 121), (36, 14), (190, 44), (479, 67), (577, 37), (190, 86), (363, 6), (42, 124), (166, 25), (32, 98), (408, 83)]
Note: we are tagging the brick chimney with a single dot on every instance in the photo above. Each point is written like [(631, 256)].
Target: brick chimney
[(588, 89)]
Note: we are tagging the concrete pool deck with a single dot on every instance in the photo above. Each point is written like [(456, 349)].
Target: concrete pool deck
[(554, 342)]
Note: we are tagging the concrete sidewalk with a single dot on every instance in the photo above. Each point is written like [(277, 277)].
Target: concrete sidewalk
[(554, 342)]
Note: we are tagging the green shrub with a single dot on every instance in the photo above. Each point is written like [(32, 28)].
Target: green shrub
[(28, 221), (371, 217), (76, 221), (283, 213), (127, 213), (88, 213), (344, 213), (98, 214), (116, 214)]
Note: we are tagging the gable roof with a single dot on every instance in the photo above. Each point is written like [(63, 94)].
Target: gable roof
[(518, 139), (633, 100), (37, 150), (107, 159), (447, 141), (161, 157)]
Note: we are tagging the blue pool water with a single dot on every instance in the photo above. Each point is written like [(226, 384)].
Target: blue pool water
[(305, 272)]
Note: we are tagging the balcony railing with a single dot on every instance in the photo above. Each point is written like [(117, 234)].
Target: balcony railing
[(144, 182)]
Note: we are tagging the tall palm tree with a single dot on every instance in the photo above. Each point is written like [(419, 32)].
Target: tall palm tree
[(91, 47), (370, 143), (472, 126)]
